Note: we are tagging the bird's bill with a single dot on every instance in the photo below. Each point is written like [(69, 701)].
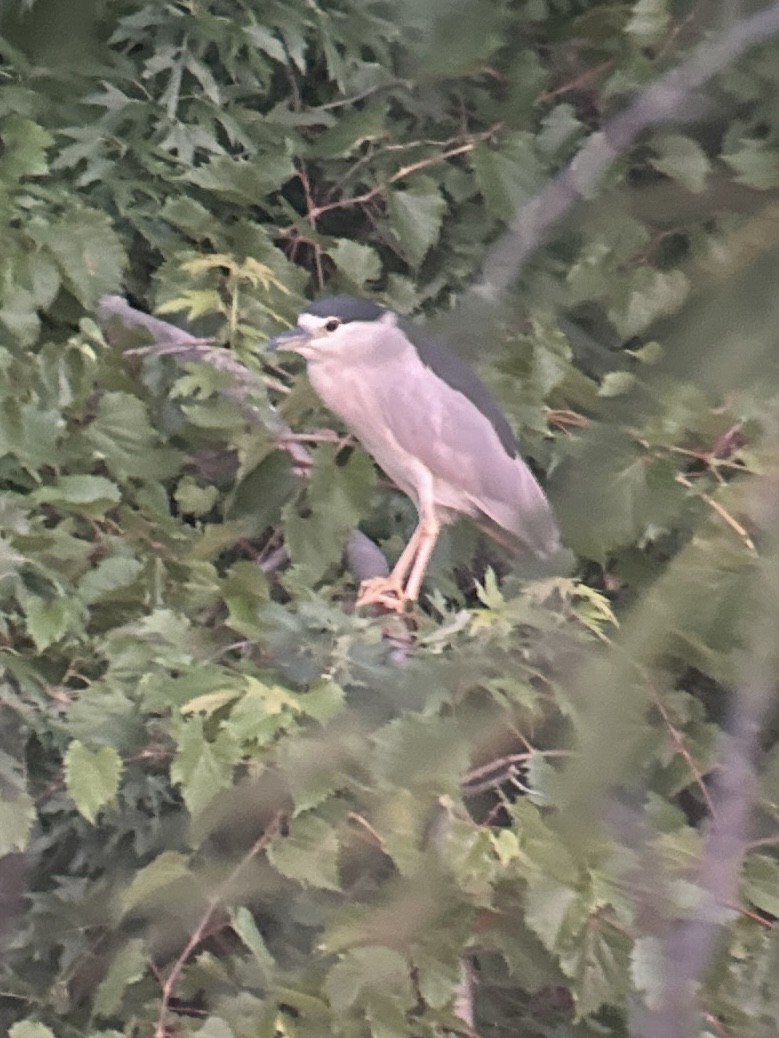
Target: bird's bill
[(289, 340)]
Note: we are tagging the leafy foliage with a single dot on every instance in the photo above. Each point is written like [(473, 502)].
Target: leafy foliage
[(233, 805)]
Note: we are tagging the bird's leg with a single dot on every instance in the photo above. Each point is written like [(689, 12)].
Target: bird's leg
[(388, 591), (394, 591), (429, 529)]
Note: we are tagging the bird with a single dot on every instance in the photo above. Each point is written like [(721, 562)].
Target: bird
[(430, 423)]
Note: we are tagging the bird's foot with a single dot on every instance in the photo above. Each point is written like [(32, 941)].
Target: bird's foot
[(382, 591)]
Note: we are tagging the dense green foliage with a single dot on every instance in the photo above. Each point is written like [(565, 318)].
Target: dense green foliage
[(236, 807)]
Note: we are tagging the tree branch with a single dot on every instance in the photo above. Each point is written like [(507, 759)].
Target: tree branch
[(667, 99)]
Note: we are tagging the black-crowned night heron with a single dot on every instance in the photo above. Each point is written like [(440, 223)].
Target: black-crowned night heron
[(430, 424)]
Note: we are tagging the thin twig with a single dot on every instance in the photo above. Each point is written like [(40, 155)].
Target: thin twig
[(678, 740), (722, 512), (200, 931)]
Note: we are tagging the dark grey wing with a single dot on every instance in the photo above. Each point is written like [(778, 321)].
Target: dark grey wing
[(462, 447)]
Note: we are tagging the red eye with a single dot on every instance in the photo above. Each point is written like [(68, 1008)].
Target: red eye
[(332, 324)]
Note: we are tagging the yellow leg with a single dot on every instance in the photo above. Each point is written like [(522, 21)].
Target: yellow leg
[(430, 529), (388, 591)]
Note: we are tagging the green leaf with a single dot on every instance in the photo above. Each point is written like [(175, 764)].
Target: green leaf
[(203, 768), (364, 971), (755, 162), (360, 263), (87, 250), (507, 176), (241, 181), (242, 922), (46, 620), (109, 576), (92, 777), (17, 815), (194, 499), (339, 497), (761, 883), (128, 967), (351, 131), (599, 966), (214, 1027), (28, 1029), (683, 159), (123, 437), (648, 21), (615, 383), (423, 751), (652, 294), (168, 867), (308, 853), (312, 771), (93, 495), (24, 150), (416, 215)]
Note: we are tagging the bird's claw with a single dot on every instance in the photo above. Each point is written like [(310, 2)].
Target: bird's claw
[(382, 591)]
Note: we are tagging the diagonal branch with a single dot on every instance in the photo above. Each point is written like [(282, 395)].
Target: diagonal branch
[(668, 98)]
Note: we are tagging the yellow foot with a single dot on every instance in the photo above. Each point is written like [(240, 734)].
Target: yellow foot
[(382, 591)]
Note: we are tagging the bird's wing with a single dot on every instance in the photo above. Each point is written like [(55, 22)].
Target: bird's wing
[(460, 445)]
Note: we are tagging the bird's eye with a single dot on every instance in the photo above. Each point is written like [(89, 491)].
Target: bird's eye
[(332, 324)]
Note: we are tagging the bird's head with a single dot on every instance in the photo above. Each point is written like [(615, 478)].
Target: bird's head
[(328, 325)]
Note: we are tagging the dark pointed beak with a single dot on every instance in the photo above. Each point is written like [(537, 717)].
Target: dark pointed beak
[(289, 340)]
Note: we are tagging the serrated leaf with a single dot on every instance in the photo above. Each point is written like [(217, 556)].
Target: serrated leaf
[(599, 966), (350, 132), (17, 815), (683, 159), (648, 20), (92, 777), (372, 969), (46, 620), (416, 750), (761, 883), (91, 494), (29, 1029), (108, 577), (87, 250), (339, 496), (124, 438), (242, 181), (201, 767), (311, 769), (128, 966), (507, 176), (360, 263), (308, 853), (615, 383), (194, 499), (416, 215), (168, 867), (653, 293), (24, 150), (756, 163), (214, 1027)]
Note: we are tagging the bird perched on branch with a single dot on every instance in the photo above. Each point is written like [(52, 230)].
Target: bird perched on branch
[(431, 425)]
